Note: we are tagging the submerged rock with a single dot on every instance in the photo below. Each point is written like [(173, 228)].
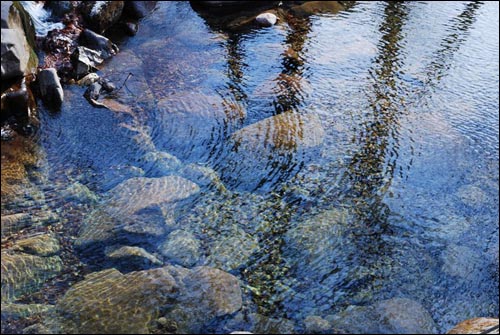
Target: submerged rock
[(229, 253), (208, 293), (266, 19), (21, 311), (41, 245), (23, 273), (268, 151), (317, 325), (113, 303), (392, 316), (134, 210), (128, 258), (181, 247), (460, 261)]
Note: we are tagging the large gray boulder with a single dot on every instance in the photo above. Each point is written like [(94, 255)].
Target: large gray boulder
[(17, 41)]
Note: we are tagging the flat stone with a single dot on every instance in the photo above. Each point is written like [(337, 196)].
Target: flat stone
[(131, 258), (134, 210), (139, 193), (286, 132), (392, 316)]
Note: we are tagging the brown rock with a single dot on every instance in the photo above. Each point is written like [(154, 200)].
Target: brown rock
[(113, 303), (476, 326)]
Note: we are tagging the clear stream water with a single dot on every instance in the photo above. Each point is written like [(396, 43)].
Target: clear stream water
[(407, 98)]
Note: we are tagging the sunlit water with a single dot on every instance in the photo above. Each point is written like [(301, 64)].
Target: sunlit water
[(406, 95)]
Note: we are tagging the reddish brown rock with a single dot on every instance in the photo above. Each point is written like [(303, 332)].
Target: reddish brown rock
[(476, 326)]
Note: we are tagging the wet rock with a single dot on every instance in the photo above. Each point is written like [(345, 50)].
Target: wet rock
[(17, 42), (114, 303), (100, 15), (266, 19), (131, 28), (50, 88), (208, 293), (308, 8), (476, 326), (229, 253), (18, 103), (181, 247), (99, 43), (59, 8), (23, 273), (317, 325), (40, 245), (93, 92), (21, 311), (134, 210), (128, 258), (138, 9), (84, 61)]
